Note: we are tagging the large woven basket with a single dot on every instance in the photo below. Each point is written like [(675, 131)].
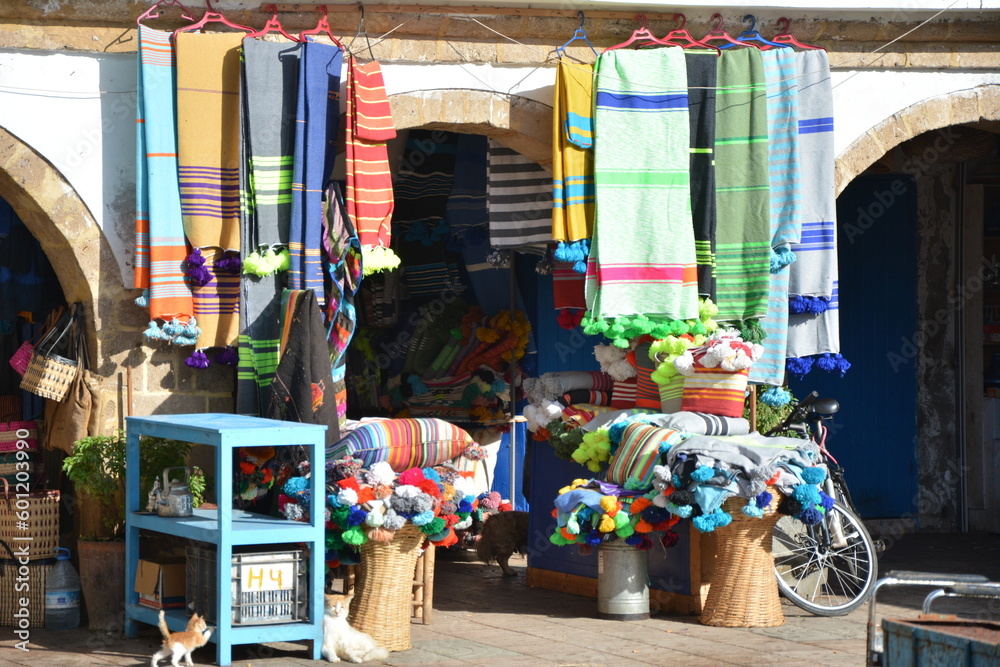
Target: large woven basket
[(30, 521), (744, 591), (383, 590)]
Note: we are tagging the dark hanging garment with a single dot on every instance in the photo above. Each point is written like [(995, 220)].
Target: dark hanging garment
[(302, 390), (701, 71)]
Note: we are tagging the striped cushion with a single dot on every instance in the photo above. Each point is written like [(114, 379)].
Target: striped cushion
[(671, 394), (586, 396), (647, 393), (702, 424), (581, 413), (404, 443), (623, 395), (638, 452), (715, 391)]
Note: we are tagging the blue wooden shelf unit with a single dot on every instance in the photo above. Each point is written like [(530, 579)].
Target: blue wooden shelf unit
[(228, 527)]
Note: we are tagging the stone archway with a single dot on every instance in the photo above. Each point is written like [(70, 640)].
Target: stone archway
[(519, 123), (974, 105)]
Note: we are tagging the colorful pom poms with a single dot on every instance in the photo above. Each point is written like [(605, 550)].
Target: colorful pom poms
[(807, 494), (229, 262), (376, 259), (810, 516), (702, 473), (670, 538), (798, 367), (751, 509), (606, 524), (814, 475), (706, 523), (609, 504), (418, 385), (393, 521), (775, 397), (833, 363), (763, 499), (422, 519), (826, 501), (228, 356), (356, 516), (379, 534), (683, 511), (153, 332), (143, 299), (569, 318), (355, 535), (780, 258), (197, 360), (411, 477)]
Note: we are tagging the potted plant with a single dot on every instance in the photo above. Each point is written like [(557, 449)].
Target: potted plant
[(97, 469)]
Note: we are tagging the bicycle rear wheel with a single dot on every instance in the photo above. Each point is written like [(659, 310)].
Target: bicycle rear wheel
[(827, 569)]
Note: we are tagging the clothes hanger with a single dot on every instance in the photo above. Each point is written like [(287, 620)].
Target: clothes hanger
[(273, 25), (751, 35), (683, 38), (785, 37), (154, 11), (579, 33), (364, 30), (718, 33), (640, 34), (212, 16), (322, 28)]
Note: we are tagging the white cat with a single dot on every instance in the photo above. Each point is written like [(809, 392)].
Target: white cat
[(340, 640)]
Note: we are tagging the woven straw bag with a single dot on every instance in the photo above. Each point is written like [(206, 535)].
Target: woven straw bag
[(49, 374), (22, 355)]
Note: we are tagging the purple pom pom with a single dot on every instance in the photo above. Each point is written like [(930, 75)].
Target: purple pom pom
[(763, 499), (195, 258), (199, 275), (826, 501), (799, 366), (229, 263), (197, 360), (228, 356), (810, 516)]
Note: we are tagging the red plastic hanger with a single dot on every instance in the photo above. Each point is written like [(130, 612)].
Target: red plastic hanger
[(717, 33), (273, 25), (322, 28), (641, 34), (683, 38), (785, 37), (212, 16), (154, 11)]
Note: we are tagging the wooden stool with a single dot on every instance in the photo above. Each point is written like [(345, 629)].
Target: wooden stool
[(423, 586), (744, 590)]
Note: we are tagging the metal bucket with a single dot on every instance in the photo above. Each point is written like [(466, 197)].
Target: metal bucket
[(622, 593)]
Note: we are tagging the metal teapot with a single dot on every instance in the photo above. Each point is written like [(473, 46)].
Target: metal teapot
[(175, 498)]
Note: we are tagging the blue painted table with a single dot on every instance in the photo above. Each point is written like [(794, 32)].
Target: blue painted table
[(228, 527)]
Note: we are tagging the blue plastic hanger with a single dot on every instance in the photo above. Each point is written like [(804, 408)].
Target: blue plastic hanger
[(579, 33), (751, 35)]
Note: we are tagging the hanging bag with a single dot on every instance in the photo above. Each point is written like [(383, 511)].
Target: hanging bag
[(70, 420), (49, 374), (22, 356)]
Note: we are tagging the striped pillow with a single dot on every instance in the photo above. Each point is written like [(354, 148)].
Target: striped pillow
[(581, 413), (586, 396), (647, 393), (638, 452), (405, 443), (623, 395), (715, 391)]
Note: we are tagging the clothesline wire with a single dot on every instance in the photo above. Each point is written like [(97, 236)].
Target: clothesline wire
[(46, 92)]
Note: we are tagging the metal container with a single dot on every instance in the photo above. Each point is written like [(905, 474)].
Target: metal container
[(622, 593), (941, 641), (174, 500)]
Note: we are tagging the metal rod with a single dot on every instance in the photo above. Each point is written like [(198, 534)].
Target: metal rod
[(466, 11), (513, 402)]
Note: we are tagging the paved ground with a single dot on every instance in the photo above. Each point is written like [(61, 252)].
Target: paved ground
[(481, 618)]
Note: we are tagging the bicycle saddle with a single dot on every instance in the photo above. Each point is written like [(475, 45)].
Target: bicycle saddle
[(825, 406)]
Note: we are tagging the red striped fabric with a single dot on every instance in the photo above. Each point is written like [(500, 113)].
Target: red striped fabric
[(404, 443), (638, 453), (623, 395), (715, 391)]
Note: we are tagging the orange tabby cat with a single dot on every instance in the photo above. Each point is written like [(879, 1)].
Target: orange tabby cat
[(177, 644)]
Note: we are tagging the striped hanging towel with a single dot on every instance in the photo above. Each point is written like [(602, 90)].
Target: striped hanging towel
[(466, 210), (572, 152), (814, 273), (642, 257), (519, 193), (317, 116), (783, 179), (368, 126), (567, 287), (269, 87), (701, 74), (208, 147), (743, 234), (160, 245), (424, 178)]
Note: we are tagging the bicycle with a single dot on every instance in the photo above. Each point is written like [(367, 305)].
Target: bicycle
[(829, 568)]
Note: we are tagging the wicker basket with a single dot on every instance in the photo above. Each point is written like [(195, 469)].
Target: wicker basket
[(31, 521), (744, 591), (383, 591), (12, 612)]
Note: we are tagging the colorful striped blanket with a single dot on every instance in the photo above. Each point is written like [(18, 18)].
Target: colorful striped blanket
[(208, 167), (743, 234), (642, 257), (572, 154), (160, 244)]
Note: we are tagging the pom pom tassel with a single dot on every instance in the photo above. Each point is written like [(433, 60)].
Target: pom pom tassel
[(378, 258), (228, 356), (143, 299), (197, 360), (775, 397)]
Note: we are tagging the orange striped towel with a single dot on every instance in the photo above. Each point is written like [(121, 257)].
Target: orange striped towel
[(368, 124)]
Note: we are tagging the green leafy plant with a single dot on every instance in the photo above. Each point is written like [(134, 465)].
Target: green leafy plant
[(768, 417), (97, 469), (201, 486)]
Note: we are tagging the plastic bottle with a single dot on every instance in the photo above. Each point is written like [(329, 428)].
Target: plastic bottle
[(62, 594)]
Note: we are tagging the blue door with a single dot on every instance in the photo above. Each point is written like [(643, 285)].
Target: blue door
[(874, 435)]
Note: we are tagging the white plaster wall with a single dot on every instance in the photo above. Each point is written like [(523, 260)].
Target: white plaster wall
[(78, 111)]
